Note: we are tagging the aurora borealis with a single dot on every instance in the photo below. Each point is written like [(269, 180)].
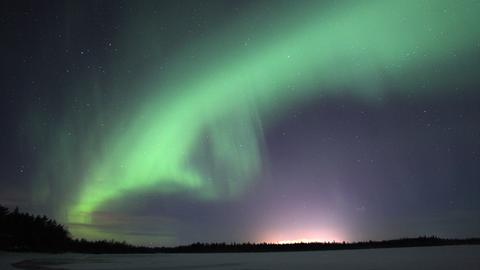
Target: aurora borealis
[(167, 123)]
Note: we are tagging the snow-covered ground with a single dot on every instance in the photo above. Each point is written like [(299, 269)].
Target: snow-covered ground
[(451, 257)]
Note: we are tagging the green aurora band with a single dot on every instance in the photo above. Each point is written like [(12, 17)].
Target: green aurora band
[(246, 75)]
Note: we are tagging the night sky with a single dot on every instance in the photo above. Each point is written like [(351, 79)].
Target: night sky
[(165, 123)]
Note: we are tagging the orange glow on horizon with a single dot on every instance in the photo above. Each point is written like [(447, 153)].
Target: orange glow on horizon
[(302, 236), (304, 240)]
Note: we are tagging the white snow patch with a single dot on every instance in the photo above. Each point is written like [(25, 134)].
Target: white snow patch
[(447, 257)]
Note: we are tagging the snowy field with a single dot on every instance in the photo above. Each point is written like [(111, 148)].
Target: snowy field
[(451, 257)]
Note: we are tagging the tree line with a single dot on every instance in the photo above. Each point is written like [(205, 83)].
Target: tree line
[(314, 246), (25, 232)]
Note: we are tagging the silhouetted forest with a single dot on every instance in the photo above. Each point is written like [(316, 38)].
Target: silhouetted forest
[(269, 247), (26, 232)]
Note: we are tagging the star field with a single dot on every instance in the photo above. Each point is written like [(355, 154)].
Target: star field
[(165, 123)]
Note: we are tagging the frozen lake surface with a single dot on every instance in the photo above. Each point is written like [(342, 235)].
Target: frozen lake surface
[(449, 257)]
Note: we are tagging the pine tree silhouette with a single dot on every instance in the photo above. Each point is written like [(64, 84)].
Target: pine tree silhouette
[(26, 232)]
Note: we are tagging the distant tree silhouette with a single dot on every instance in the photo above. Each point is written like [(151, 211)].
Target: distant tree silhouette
[(26, 232), (272, 247), (22, 231)]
